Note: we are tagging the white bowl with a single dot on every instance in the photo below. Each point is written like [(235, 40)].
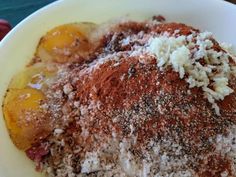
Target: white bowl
[(18, 47)]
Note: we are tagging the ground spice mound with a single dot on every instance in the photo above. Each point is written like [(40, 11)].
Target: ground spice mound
[(120, 114)]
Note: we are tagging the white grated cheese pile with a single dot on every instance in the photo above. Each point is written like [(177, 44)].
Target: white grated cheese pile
[(186, 57), (157, 162)]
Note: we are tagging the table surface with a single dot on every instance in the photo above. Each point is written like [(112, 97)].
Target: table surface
[(16, 10)]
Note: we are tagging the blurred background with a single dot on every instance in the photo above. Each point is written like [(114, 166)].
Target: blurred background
[(16, 10), (232, 1)]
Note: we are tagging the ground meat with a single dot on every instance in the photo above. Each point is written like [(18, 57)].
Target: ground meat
[(120, 108)]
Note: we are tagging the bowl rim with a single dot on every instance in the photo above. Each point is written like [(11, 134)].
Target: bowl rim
[(9, 38), (59, 2)]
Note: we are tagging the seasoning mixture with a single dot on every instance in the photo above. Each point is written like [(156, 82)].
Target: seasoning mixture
[(129, 99)]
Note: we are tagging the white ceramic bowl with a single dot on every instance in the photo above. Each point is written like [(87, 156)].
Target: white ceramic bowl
[(18, 47)]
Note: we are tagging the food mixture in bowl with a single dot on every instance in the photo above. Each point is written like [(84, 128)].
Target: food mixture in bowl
[(126, 98)]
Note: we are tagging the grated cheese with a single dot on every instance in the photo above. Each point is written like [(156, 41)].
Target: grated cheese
[(58, 131), (226, 145), (184, 55), (180, 59), (91, 163)]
